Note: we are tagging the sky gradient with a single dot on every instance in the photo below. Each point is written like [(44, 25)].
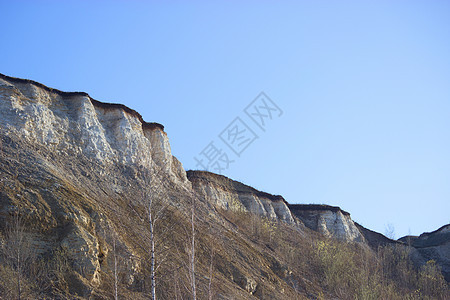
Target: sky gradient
[(364, 89)]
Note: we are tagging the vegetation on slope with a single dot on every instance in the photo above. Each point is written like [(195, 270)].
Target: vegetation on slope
[(46, 198)]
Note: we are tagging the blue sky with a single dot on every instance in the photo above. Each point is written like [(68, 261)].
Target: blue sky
[(363, 86)]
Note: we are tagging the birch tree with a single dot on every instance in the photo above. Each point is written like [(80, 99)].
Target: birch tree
[(212, 252), (190, 234), (154, 192), (115, 271), (192, 258)]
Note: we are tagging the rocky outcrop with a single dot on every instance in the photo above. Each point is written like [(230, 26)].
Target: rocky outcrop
[(233, 195), (74, 124), (433, 246), (329, 220), (64, 158), (75, 170)]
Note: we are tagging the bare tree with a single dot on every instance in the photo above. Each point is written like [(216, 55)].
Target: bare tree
[(146, 178), (116, 275), (212, 253), (17, 252), (211, 264), (154, 192), (389, 231), (189, 233), (193, 285), (152, 247)]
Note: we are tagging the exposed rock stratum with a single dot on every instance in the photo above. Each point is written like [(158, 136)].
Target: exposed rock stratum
[(77, 172)]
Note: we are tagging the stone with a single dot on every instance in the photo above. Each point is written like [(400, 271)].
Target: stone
[(233, 195)]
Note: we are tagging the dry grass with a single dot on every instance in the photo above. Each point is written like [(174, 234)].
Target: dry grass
[(253, 257)]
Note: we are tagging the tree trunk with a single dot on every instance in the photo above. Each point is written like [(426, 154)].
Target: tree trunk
[(194, 291), (152, 253), (19, 290), (210, 294), (116, 296)]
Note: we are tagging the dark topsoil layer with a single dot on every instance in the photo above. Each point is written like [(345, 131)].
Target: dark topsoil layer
[(295, 207), (104, 105)]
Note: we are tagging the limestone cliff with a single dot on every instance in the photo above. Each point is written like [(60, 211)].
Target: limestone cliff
[(233, 195), (74, 123), (79, 175), (331, 221), (67, 163)]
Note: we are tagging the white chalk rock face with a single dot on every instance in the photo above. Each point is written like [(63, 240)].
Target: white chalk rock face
[(229, 194), (338, 225), (73, 124), (331, 221), (161, 153)]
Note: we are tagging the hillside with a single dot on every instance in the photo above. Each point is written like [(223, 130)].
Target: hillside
[(81, 181)]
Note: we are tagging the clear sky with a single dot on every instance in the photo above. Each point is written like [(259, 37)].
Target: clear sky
[(364, 87)]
